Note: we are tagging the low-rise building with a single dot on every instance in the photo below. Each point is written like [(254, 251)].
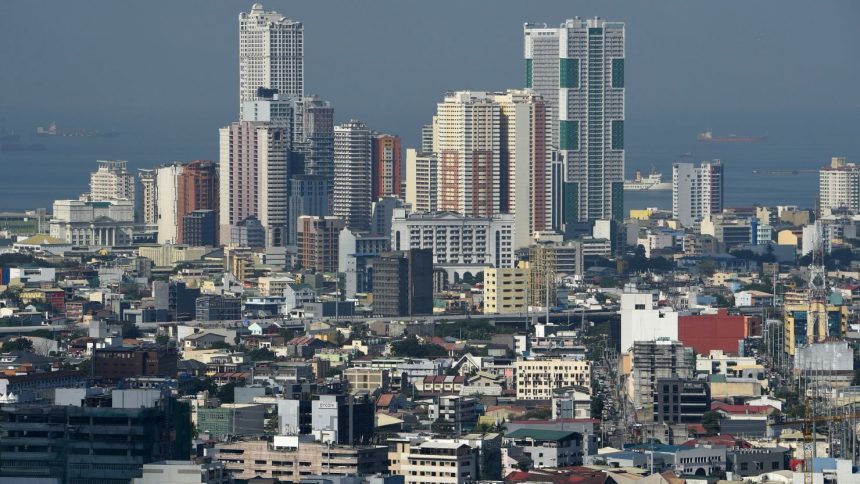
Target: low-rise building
[(536, 379), (184, 472), (548, 448), (291, 458), (232, 420), (439, 462)]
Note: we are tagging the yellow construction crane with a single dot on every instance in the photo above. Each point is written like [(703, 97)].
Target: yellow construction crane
[(808, 423)]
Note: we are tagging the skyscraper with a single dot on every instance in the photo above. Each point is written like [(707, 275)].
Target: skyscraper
[(421, 175), (427, 138), (167, 186), (271, 54), (582, 80), (309, 195), (313, 135), (146, 210), (466, 143), (111, 181), (386, 166), (525, 175), (253, 174), (197, 190), (839, 186), (352, 175), (697, 191)]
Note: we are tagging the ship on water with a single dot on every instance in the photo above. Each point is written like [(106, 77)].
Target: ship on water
[(53, 130), (654, 181), (708, 137)]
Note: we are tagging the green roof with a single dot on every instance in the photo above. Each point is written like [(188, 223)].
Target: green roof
[(540, 434)]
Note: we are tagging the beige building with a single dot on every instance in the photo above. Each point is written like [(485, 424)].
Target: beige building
[(273, 286), (536, 379), (366, 379), (421, 181), (289, 459), (506, 290), (167, 255), (433, 462)]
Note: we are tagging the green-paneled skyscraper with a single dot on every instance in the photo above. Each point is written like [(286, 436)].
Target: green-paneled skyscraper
[(578, 68)]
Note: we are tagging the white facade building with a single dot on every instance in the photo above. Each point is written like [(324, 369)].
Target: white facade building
[(98, 223), (167, 183), (455, 239), (352, 175), (421, 180), (839, 186), (642, 320), (271, 54), (578, 69), (697, 191), (111, 181)]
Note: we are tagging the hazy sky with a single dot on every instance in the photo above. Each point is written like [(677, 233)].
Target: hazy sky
[(389, 61)]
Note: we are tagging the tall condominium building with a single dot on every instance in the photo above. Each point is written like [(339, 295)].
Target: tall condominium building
[(421, 183), (317, 241), (352, 174), (466, 142), (271, 54), (167, 181), (386, 166), (112, 181), (309, 195), (268, 106), (427, 138), (253, 173), (456, 239), (578, 69), (525, 175), (313, 135), (146, 210), (839, 186), (697, 191), (653, 360), (197, 189)]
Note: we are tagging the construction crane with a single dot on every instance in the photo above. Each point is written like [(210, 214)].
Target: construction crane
[(809, 440)]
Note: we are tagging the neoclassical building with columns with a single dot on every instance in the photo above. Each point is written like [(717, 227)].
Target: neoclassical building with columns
[(93, 223)]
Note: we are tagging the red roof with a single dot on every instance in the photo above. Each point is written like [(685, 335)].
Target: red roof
[(742, 409), (445, 379), (562, 475), (384, 400), (725, 439)]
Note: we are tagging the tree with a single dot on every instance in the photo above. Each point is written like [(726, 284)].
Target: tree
[(410, 346), (18, 344), (129, 330), (261, 354), (711, 422), (707, 267), (162, 339), (542, 413), (226, 394)]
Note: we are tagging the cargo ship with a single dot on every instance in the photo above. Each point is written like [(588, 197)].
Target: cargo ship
[(654, 181), (709, 137), (52, 130)]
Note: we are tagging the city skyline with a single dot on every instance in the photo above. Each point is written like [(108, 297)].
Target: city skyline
[(694, 83)]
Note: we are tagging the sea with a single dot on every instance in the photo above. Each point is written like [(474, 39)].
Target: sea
[(778, 171)]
